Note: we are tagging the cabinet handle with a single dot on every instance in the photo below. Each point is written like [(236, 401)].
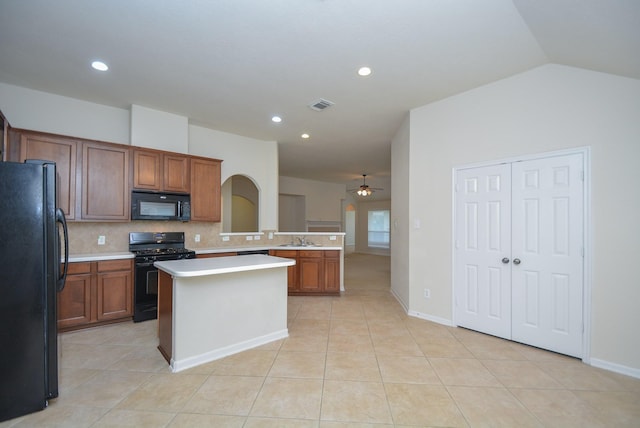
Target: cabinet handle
[(516, 261)]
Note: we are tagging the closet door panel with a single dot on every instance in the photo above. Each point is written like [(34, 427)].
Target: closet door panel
[(483, 225), (547, 284)]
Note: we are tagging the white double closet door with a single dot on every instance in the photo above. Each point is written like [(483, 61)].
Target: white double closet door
[(519, 251)]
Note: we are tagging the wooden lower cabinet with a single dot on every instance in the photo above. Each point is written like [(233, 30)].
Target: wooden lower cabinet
[(96, 293), (315, 271), (209, 255)]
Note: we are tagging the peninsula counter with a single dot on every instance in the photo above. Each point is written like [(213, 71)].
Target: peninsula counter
[(214, 307)]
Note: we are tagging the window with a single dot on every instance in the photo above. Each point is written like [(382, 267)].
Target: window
[(378, 229)]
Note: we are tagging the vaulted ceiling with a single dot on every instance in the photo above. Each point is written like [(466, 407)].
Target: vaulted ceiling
[(233, 64)]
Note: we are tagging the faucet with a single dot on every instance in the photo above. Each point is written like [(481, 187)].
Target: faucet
[(303, 241)]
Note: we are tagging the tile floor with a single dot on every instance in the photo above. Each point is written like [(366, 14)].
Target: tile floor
[(352, 361)]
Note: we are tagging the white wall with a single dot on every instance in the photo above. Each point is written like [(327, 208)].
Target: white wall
[(323, 200), (549, 108), (256, 159), (400, 208), (41, 111), (159, 130)]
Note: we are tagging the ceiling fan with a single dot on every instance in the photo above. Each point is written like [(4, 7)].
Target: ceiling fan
[(364, 189)]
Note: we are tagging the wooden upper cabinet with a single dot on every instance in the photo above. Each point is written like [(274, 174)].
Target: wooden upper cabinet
[(205, 189), (105, 182), (176, 173), (147, 170), (62, 151), (158, 171)]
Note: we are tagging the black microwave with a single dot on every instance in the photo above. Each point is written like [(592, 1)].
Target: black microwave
[(160, 206)]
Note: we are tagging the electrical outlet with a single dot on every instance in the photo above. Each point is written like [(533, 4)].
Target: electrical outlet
[(197, 237), (225, 238), (102, 240), (270, 235), (249, 238), (332, 238), (256, 238), (427, 293)]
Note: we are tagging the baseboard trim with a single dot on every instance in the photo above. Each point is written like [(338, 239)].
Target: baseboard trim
[(617, 368), (432, 318)]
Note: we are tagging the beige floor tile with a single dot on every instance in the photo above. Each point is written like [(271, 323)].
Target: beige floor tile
[(493, 350), (320, 310), (350, 343), (75, 355), (289, 398), (192, 420), (345, 309), (558, 408), (254, 362), (407, 370), (443, 347), (59, 416), (332, 424), (164, 392), (360, 366), (227, 395), (106, 389), (573, 374), (494, 407), (349, 326), (279, 423), (617, 408), (520, 374), (462, 371), (308, 365), (141, 359), (423, 405), (349, 401), (308, 325), (313, 342), (400, 346), (134, 419), (69, 378)]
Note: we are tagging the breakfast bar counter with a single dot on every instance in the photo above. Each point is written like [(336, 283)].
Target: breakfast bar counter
[(214, 307)]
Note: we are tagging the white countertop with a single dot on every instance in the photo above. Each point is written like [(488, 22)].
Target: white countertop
[(218, 265), (75, 258)]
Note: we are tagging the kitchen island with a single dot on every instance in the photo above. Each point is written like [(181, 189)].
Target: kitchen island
[(214, 307)]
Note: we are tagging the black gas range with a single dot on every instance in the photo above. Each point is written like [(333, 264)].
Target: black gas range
[(150, 247)]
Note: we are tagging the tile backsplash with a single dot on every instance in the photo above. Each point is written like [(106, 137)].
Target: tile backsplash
[(83, 236)]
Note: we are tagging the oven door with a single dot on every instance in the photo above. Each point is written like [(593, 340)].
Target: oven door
[(146, 292)]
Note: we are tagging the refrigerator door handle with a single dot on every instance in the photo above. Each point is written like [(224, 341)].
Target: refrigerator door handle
[(63, 275)]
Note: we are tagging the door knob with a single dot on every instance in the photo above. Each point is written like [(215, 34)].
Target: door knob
[(516, 261), (505, 260)]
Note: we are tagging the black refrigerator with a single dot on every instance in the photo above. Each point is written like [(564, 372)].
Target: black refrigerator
[(32, 230)]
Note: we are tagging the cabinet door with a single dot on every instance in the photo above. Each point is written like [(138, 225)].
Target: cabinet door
[(332, 271), (61, 151), (105, 182), (205, 189), (292, 271), (176, 174), (311, 271), (74, 301), (114, 295), (147, 170)]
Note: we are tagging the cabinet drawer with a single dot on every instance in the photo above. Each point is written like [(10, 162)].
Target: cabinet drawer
[(310, 254), (289, 254), (77, 268), (332, 254), (113, 265)]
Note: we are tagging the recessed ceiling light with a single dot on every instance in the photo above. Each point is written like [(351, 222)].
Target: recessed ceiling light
[(99, 65), (364, 71), (305, 136), (276, 119)]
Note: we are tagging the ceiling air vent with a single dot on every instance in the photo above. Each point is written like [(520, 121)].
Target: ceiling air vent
[(320, 104)]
